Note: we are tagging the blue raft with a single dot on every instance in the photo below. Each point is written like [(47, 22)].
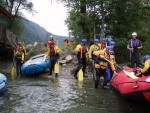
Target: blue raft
[(35, 65), (3, 83)]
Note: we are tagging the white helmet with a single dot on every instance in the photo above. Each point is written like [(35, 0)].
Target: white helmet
[(134, 33), (51, 36)]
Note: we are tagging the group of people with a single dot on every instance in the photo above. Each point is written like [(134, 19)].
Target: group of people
[(102, 58), (134, 45), (101, 54), (52, 52)]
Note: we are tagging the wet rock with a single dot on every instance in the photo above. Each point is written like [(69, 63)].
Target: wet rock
[(68, 58), (62, 61), (63, 64), (72, 71)]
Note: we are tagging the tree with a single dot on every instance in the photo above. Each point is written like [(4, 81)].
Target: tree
[(15, 6)]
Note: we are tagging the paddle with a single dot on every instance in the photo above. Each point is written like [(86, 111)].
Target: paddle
[(126, 72), (130, 74), (56, 67), (80, 75), (13, 70)]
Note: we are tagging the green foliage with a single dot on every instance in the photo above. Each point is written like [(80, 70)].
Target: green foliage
[(80, 24), (63, 47), (121, 18), (15, 6), (121, 52), (17, 27), (38, 39), (36, 52)]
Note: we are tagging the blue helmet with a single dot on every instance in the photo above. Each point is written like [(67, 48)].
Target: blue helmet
[(104, 39), (84, 41), (146, 57), (96, 40), (109, 48), (112, 43)]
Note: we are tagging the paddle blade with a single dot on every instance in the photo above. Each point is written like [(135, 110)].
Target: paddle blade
[(80, 75), (56, 67), (13, 72), (130, 74)]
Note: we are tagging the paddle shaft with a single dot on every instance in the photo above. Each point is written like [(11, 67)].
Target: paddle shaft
[(112, 63)]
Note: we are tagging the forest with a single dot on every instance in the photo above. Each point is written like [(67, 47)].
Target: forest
[(96, 19)]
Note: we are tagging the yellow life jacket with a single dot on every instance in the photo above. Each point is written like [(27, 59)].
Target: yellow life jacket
[(93, 48), (103, 64), (146, 66)]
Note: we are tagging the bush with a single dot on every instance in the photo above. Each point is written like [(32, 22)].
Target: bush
[(121, 52)]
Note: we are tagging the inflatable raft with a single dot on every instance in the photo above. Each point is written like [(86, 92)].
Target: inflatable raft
[(132, 87), (35, 65), (3, 83)]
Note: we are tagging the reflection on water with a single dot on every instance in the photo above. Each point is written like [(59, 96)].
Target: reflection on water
[(44, 94)]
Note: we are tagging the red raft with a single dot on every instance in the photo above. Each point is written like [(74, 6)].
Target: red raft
[(132, 87)]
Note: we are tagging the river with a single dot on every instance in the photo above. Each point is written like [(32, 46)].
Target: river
[(43, 94)]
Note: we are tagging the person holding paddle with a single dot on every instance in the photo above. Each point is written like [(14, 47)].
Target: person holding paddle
[(112, 57), (94, 47), (134, 45), (53, 52), (101, 65), (81, 50)]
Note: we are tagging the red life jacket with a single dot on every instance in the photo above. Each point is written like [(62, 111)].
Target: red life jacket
[(103, 46), (52, 51), (84, 49)]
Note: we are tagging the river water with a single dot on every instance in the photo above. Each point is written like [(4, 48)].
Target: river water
[(43, 94)]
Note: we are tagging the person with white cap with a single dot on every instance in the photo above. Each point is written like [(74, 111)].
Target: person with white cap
[(134, 45)]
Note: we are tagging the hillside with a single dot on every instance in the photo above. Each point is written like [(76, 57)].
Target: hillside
[(34, 32)]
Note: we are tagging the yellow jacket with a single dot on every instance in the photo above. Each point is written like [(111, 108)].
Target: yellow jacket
[(146, 66), (57, 51), (19, 55), (103, 64), (24, 50), (78, 49), (93, 48), (112, 57)]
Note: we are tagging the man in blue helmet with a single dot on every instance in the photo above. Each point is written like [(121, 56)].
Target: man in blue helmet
[(103, 43), (112, 43), (146, 70), (134, 45), (82, 55), (112, 57), (101, 64), (93, 48)]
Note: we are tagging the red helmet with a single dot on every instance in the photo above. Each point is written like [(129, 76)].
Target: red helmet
[(50, 42)]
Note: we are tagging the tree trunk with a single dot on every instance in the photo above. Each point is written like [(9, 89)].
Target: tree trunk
[(102, 21)]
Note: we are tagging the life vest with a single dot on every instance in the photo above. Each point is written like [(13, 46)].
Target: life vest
[(96, 47), (134, 43), (100, 63), (52, 51), (103, 46), (83, 49), (146, 66), (19, 54)]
